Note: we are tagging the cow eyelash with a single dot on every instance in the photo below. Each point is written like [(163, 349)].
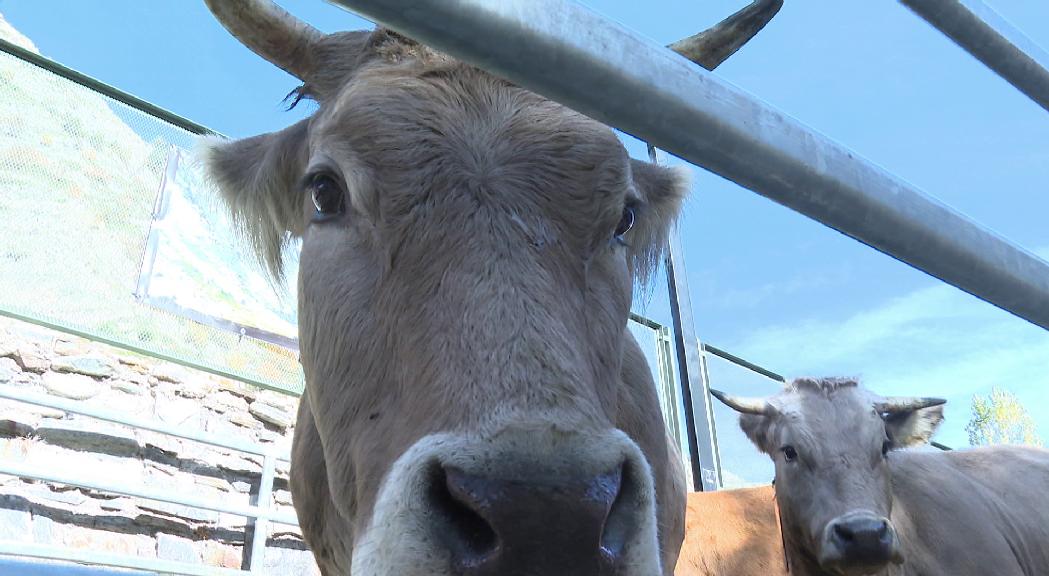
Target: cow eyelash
[(626, 222)]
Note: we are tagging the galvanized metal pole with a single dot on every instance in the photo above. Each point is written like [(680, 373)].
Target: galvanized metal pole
[(50, 553), (260, 527), (669, 382), (991, 39), (566, 52), (692, 373), (695, 386)]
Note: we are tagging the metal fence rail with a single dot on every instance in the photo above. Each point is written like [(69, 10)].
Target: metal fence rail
[(47, 568), (991, 39), (152, 565), (570, 54), (261, 513), (105, 485), (21, 395)]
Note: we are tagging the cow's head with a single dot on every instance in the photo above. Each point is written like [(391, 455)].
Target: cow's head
[(831, 442), (468, 255)]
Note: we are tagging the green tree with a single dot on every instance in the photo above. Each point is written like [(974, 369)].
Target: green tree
[(1000, 418)]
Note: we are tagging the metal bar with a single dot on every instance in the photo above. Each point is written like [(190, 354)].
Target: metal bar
[(692, 369), (646, 322), (103, 88), (28, 550), (685, 378), (21, 395), (14, 469), (991, 39), (649, 323), (694, 380), (10, 565), (743, 363), (718, 479), (671, 391), (260, 529), (570, 54)]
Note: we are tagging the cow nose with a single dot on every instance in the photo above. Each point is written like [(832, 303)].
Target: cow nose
[(495, 526), (860, 541), (862, 532)]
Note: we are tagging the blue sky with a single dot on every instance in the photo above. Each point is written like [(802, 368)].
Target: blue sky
[(767, 284)]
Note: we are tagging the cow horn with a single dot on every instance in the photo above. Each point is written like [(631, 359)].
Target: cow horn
[(713, 46), (269, 31), (758, 406), (897, 404)]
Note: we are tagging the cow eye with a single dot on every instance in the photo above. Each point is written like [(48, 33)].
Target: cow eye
[(328, 197), (886, 446), (789, 453), (626, 222)]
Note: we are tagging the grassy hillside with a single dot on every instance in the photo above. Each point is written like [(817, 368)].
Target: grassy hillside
[(79, 175)]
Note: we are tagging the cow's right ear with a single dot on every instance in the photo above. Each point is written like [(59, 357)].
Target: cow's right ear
[(662, 189), (756, 416), (258, 178), (758, 427)]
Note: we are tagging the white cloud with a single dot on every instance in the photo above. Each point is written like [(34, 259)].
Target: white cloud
[(933, 341), (752, 297)]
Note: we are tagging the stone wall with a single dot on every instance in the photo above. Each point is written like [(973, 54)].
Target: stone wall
[(45, 361)]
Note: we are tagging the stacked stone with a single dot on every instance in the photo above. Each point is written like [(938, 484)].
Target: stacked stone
[(44, 361)]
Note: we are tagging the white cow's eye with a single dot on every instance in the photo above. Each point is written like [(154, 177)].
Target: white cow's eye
[(328, 197), (626, 222), (789, 453)]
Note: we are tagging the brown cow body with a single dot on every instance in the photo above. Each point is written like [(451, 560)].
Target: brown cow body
[(732, 533)]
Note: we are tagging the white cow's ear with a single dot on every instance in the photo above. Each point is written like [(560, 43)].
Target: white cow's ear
[(757, 427), (913, 427), (258, 178), (661, 190)]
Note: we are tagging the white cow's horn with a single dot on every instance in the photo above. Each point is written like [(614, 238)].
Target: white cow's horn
[(896, 404), (758, 406), (269, 31), (713, 46)]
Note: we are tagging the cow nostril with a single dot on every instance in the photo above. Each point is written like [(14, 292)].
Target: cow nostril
[(465, 530), (843, 531), (621, 518), (573, 525)]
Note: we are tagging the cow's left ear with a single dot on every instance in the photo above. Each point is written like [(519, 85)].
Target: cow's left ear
[(913, 427), (661, 190)]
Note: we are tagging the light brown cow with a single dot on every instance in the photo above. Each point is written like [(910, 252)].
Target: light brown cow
[(732, 533), (852, 505), (474, 404)]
